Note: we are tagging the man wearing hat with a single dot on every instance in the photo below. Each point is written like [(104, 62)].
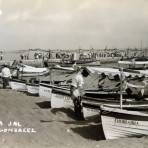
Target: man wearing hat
[(6, 75), (77, 90)]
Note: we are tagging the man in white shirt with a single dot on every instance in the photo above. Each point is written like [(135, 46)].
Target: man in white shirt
[(77, 90), (6, 75)]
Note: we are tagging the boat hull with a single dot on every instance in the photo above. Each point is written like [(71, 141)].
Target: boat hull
[(61, 97), (45, 91), (33, 89), (90, 110), (59, 100), (19, 85), (119, 123), (91, 106), (34, 74)]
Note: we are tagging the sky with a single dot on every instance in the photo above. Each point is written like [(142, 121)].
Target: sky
[(73, 24)]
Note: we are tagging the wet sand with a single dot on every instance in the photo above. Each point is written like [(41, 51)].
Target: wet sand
[(55, 128)]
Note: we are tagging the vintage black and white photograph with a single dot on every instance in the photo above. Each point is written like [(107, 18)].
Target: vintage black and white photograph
[(73, 73)]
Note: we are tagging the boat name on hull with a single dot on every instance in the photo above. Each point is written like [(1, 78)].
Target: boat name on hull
[(127, 122)]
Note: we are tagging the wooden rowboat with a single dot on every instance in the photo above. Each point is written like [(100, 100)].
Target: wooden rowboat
[(119, 123), (18, 84)]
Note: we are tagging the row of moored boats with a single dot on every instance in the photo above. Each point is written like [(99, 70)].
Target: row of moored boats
[(123, 114)]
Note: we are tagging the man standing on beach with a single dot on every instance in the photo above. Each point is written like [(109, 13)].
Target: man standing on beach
[(77, 91), (6, 75)]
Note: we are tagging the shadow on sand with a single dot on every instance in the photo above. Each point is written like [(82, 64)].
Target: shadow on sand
[(44, 104), (92, 132), (32, 95), (45, 121), (89, 129), (69, 112), (75, 120)]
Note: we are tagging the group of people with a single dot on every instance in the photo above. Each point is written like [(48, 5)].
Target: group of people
[(77, 87), (105, 83), (109, 83)]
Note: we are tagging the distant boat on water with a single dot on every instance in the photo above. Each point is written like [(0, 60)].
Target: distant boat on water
[(140, 63), (29, 71)]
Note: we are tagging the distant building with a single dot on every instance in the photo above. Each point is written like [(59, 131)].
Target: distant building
[(145, 52), (38, 53), (1, 55), (131, 53)]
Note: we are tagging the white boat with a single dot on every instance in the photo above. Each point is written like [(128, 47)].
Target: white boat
[(115, 71), (137, 64), (33, 89), (31, 69), (45, 91), (89, 110), (58, 67), (124, 122), (18, 84), (119, 123), (60, 96), (59, 100), (93, 99), (28, 71), (133, 62), (91, 106), (34, 74)]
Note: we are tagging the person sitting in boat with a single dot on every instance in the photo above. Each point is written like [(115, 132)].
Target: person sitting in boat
[(77, 91), (136, 87), (106, 83), (101, 81), (116, 83), (6, 75)]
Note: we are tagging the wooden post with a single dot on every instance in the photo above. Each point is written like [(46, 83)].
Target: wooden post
[(22, 72), (51, 75), (38, 78), (121, 87)]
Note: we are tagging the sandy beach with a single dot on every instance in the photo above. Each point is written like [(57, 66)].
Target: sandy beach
[(44, 44), (52, 127)]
